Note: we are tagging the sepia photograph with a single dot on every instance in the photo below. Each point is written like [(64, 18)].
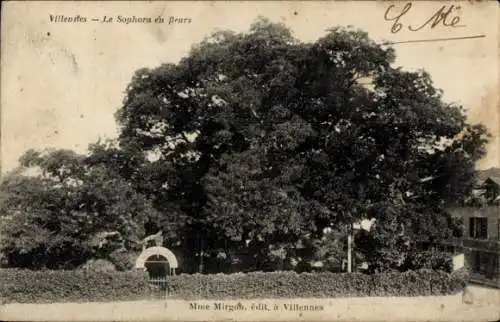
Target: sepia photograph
[(250, 161)]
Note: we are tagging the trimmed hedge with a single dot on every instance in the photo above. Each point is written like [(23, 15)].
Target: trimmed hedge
[(45, 286), (24, 286), (315, 285)]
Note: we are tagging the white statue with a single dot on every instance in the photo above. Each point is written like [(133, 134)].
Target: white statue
[(157, 238)]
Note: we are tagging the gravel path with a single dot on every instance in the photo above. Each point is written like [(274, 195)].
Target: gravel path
[(484, 305)]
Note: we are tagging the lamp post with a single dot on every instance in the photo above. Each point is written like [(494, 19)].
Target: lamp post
[(349, 251)]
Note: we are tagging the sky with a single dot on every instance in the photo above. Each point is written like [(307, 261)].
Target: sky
[(61, 83)]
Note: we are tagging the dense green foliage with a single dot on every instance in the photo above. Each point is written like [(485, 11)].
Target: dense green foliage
[(310, 285), (257, 142), (24, 286), (430, 260), (70, 213)]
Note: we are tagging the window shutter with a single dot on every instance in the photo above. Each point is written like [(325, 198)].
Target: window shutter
[(484, 228)]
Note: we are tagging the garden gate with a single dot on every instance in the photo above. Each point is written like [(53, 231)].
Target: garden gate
[(160, 263), (158, 287)]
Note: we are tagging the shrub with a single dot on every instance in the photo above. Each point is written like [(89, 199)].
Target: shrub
[(98, 265), (430, 260), (123, 260), (25, 286), (305, 285), (459, 280)]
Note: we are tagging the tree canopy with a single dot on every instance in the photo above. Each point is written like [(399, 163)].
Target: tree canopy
[(260, 138), (69, 213)]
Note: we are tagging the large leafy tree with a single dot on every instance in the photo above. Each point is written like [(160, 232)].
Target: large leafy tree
[(67, 211), (259, 141), (260, 136)]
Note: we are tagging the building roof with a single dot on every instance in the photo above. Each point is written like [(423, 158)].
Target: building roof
[(483, 175), (494, 179)]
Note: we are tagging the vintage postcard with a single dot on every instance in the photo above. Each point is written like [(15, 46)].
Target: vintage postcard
[(250, 161)]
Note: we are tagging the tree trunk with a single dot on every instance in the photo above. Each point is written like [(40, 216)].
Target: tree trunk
[(202, 255)]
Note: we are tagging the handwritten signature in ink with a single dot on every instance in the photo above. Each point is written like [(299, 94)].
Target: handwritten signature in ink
[(445, 16)]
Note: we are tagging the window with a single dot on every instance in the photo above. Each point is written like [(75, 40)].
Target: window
[(480, 263), (492, 190), (485, 264), (478, 227)]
